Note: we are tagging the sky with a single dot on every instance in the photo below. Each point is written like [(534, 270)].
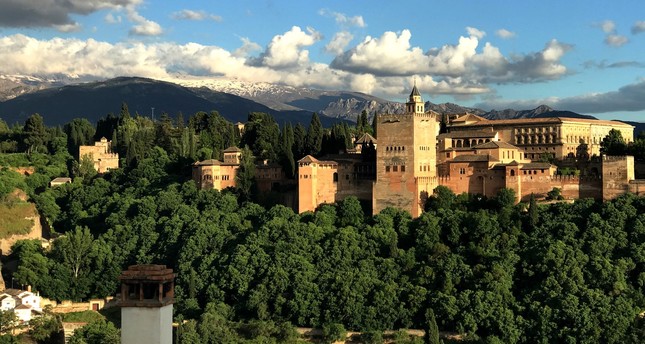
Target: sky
[(582, 56)]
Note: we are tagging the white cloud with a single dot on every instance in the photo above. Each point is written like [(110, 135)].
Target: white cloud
[(338, 43), (638, 27), (143, 26), (616, 40), (72, 27), (343, 19), (612, 38), (195, 15), (505, 34), (475, 32), (390, 54), (247, 48), (607, 26), (285, 51), (112, 19)]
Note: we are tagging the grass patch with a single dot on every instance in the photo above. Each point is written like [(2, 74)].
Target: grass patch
[(84, 316), (12, 218)]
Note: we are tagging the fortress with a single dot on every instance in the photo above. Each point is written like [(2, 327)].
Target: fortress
[(474, 155)]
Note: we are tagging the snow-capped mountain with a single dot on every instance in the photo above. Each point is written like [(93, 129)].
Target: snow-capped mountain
[(12, 86), (337, 104)]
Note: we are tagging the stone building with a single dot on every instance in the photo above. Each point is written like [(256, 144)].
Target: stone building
[(215, 174), (101, 154), (559, 137), (475, 155)]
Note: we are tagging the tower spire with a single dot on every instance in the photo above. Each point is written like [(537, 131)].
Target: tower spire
[(415, 103)]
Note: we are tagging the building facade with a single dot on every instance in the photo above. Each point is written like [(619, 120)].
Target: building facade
[(474, 155), (101, 154)]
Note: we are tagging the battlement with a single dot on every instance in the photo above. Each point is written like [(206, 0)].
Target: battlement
[(617, 157)]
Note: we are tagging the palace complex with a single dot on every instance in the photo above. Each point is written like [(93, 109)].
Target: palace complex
[(474, 155)]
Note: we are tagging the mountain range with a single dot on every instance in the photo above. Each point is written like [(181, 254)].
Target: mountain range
[(61, 99)]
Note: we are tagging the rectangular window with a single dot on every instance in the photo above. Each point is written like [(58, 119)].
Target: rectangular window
[(387, 168), (403, 168), (395, 168)]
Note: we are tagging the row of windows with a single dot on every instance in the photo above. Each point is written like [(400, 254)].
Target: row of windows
[(425, 148), (537, 130), (209, 177), (395, 168), (424, 168), (394, 148)]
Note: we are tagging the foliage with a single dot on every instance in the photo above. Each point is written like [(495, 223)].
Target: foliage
[(554, 194), (432, 330), (8, 321), (613, 143), (333, 332), (245, 177), (314, 138), (96, 332)]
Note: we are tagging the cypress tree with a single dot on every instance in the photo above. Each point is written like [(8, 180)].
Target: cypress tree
[(313, 141), (432, 330)]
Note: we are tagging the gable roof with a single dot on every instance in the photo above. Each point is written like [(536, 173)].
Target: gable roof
[(308, 158), (366, 138), (231, 149), (468, 117), (209, 162)]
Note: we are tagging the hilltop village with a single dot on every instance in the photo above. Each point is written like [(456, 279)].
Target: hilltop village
[(411, 155)]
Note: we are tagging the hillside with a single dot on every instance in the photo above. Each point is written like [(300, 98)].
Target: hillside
[(59, 105)]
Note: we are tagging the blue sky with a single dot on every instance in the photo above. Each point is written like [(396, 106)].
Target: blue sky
[(583, 56)]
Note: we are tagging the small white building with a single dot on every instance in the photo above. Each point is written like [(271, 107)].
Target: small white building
[(23, 303), (7, 302)]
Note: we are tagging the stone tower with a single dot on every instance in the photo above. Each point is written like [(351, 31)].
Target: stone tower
[(147, 295), (406, 157)]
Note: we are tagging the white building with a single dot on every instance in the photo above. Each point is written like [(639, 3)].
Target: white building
[(23, 303)]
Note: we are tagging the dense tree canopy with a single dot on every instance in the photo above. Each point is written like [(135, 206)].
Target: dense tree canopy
[(486, 268)]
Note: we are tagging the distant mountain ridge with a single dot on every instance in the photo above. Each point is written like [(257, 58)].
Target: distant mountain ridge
[(59, 101)]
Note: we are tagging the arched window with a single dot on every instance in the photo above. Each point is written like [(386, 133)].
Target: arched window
[(512, 173)]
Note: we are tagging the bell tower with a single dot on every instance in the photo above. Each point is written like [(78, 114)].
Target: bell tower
[(415, 103)]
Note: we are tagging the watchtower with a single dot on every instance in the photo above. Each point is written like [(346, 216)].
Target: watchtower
[(147, 295)]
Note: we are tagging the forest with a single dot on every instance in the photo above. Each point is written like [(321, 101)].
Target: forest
[(489, 269)]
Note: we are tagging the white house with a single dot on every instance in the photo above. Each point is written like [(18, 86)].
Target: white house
[(22, 302)]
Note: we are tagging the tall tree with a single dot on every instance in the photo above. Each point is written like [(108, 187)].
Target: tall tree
[(313, 141), (613, 143), (245, 178), (35, 133), (80, 132), (299, 135)]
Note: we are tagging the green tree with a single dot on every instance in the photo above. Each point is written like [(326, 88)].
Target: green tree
[(8, 321), (96, 332), (80, 132), (299, 136), (313, 140), (35, 133), (432, 330), (613, 143), (245, 177)]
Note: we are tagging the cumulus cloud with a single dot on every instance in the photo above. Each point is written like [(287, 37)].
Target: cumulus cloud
[(505, 34), (143, 26), (475, 32), (638, 27), (627, 98), (285, 51), (612, 38), (616, 40), (392, 55), (52, 13), (338, 43), (343, 19), (388, 55), (195, 15), (247, 48), (112, 19)]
